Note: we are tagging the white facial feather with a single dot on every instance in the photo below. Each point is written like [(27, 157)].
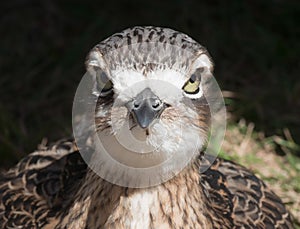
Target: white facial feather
[(179, 136), (166, 84)]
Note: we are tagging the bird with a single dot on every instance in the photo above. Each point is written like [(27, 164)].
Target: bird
[(146, 88)]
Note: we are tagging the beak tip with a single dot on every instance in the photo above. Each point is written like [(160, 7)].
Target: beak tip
[(144, 124)]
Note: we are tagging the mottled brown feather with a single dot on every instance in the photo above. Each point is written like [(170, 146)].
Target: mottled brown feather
[(53, 188)]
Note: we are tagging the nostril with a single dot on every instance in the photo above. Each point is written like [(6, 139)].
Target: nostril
[(136, 104), (156, 104)]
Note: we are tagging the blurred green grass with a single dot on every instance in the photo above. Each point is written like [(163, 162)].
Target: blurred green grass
[(44, 43)]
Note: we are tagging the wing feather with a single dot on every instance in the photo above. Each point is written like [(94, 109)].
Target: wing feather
[(245, 198), (32, 192)]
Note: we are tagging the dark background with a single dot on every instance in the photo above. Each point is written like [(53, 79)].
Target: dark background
[(255, 46)]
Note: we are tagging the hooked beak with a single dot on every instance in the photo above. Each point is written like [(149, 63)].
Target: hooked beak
[(146, 107)]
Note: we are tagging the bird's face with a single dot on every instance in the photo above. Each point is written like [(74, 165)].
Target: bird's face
[(151, 95), (163, 107), (152, 114)]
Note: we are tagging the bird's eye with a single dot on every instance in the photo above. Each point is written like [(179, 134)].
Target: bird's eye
[(192, 85), (104, 85)]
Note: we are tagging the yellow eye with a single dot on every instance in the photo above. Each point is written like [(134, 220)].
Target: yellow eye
[(104, 85), (192, 85)]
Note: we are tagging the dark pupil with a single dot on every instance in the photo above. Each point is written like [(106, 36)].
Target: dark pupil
[(193, 78)]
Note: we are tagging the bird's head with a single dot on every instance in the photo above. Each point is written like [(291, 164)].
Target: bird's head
[(150, 85)]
